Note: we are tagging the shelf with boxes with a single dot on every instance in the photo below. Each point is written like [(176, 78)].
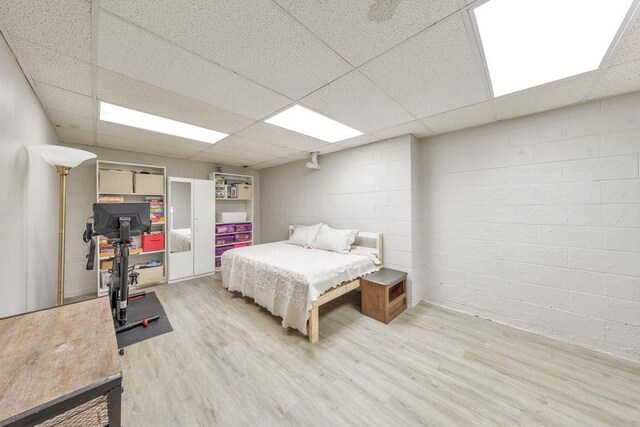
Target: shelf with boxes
[(234, 215), (118, 182)]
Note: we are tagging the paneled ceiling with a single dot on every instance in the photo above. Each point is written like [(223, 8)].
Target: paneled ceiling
[(384, 67)]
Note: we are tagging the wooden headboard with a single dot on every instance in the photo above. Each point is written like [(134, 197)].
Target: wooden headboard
[(365, 241)]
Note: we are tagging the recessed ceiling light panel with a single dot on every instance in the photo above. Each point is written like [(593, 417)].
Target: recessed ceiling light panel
[(126, 116), (305, 121), (527, 43)]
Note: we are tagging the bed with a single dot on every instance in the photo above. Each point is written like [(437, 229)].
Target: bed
[(293, 282)]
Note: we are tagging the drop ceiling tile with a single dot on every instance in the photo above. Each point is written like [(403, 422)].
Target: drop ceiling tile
[(251, 145), (258, 40), (61, 25), (181, 145), (220, 159), (277, 162), (249, 157), (276, 135), (617, 80), (362, 30), (349, 143), (56, 69), (75, 135), (628, 48), (118, 143), (462, 118), (544, 98), (127, 92), (355, 101), (415, 127), (54, 98), (433, 72), (134, 52), (70, 121)]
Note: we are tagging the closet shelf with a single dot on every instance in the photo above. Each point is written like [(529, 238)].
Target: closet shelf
[(130, 194), (231, 234), (234, 222), (232, 243), (138, 254)]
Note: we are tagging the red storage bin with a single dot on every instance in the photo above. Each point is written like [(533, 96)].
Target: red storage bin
[(152, 242), (240, 245)]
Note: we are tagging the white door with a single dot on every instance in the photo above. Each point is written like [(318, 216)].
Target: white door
[(181, 247), (204, 236)]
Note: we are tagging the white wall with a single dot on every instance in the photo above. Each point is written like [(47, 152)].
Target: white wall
[(535, 222), (28, 196), (368, 188), (81, 194)]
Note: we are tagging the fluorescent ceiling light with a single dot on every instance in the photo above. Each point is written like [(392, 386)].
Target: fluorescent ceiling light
[(125, 116), (303, 120), (532, 42)]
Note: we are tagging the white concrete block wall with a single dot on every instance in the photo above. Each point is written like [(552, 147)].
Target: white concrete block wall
[(535, 222), (28, 196), (81, 194), (368, 188)]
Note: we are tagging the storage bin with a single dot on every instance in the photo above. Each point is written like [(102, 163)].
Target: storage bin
[(114, 182), (148, 183), (244, 227), (240, 245), (228, 228), (224, 240), (231, 216), (152, 242), (147, 276), (243, 237), (223, 249), (218, 262), (243, 191)]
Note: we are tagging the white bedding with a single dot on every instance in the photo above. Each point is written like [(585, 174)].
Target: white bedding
[(181, 240), (287, 279)]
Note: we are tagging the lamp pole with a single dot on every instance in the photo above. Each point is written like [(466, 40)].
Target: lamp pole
[(63, 171)]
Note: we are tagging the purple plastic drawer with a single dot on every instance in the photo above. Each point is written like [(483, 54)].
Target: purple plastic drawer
[(220, 251), (224, 240), (221, 229), (218, 262), (243, 237), (243, 227)]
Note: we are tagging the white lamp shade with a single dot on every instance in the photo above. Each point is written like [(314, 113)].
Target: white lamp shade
[(57, 155)]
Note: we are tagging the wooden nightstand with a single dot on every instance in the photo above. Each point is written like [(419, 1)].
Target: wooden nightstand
[(384, 294)]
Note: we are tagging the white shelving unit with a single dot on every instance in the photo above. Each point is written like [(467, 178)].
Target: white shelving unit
[(159, 255), (224, 203)]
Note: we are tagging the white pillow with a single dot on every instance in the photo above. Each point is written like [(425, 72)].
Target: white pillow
[(304, 235), (334, 240)]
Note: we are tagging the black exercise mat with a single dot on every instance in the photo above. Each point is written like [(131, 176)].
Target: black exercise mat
[(143, 308)]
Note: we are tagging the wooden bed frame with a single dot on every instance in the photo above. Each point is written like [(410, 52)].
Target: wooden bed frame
[(366, 242)]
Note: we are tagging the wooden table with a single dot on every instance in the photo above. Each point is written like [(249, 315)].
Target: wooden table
[(384, 294), (54, 360)]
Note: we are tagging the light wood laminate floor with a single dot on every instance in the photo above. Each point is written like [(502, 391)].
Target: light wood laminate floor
[(229, 362)]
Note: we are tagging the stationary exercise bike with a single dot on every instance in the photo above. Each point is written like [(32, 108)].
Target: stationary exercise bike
[(119, 222)]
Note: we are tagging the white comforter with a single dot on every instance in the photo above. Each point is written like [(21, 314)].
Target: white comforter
[(287, 279), (181, 240)]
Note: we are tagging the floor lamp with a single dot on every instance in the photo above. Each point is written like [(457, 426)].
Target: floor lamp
[(63, 158)]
